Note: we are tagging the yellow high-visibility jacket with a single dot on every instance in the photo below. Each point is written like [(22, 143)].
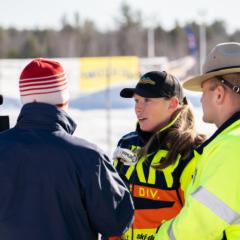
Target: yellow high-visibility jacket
[(212, 207)]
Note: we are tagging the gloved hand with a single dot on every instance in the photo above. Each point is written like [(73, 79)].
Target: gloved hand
[(126, 156)]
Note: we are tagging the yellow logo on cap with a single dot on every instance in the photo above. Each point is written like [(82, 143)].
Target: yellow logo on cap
[(146, 80)]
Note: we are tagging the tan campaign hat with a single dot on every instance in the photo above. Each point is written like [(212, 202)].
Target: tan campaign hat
[(223, 59)]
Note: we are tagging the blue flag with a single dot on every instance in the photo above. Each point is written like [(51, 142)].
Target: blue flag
[(191, 41)]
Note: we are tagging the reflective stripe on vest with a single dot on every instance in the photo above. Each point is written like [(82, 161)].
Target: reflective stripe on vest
[(237, 221), (216, 205), (170, 232)]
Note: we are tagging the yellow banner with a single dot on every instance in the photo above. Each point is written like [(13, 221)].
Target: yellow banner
[(99, 72)]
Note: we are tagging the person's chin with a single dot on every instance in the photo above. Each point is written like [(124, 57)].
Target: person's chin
[(206, 120), (145, 129)]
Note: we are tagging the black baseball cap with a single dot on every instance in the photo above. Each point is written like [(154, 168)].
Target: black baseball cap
[(156, 84)]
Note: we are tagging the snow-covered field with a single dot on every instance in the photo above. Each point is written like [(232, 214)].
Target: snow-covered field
[(105, 128)]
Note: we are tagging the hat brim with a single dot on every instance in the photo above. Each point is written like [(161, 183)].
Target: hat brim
[(129, 92), (195, 83)]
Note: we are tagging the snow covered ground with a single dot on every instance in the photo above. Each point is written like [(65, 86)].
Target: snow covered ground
[(94, 125)]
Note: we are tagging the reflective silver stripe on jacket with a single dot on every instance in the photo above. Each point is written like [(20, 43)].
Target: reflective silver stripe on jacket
[(170, 232), (237, 221), (220, 208)]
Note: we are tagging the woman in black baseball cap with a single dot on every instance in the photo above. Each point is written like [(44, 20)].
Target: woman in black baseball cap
[(154, 160)]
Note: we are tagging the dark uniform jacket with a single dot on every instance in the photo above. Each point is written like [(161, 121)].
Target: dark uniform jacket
[(158, 195), (54, 186)]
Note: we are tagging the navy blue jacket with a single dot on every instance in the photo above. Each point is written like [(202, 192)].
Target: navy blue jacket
[(54, 186)]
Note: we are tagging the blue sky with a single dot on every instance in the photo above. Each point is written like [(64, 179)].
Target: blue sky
[(47, 13)]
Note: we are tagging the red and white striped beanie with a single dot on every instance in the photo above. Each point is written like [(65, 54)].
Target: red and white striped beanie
[(44, 80)]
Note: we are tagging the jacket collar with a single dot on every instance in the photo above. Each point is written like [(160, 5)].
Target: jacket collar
[(45, 116), (226, 124), (144, 136)]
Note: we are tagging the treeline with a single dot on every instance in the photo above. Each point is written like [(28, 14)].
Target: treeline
[(80, 39)]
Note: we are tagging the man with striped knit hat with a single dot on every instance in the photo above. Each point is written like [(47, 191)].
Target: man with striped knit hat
[(55, 186)]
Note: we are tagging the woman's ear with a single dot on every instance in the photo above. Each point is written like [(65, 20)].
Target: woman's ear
[(174, 103)]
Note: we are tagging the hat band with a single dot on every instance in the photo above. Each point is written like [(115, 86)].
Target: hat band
[(234, 88), (218, 69)]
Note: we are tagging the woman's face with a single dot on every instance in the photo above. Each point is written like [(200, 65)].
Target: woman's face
[(153, 113)]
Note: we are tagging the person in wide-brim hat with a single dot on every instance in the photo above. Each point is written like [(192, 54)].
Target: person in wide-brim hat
[(212, 209)]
